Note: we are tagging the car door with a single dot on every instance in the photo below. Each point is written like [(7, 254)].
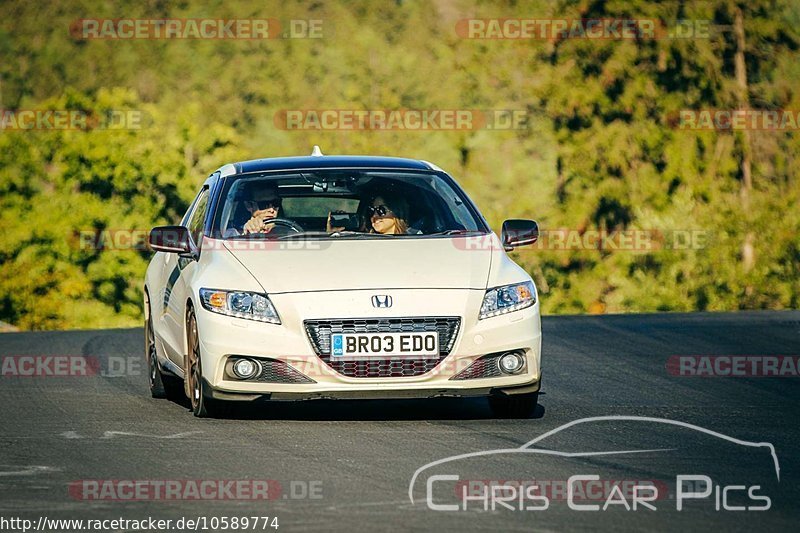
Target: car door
[(178, 271)]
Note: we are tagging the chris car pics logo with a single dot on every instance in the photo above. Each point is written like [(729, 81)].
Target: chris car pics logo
[(691, 489)]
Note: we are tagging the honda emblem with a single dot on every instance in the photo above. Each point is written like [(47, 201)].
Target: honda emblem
[(381, 301)]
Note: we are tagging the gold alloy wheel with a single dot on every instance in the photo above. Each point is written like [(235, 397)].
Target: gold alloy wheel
[(193, 376), (202, 405)]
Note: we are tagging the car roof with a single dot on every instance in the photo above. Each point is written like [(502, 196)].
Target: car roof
[(328, 161)]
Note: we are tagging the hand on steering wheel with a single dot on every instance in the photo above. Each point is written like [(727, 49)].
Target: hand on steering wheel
[(267, 224)]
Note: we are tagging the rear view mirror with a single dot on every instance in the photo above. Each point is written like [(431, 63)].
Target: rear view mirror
[(519, 232), (172, 239)]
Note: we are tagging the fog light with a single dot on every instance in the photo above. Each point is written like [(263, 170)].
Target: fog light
[(245, 368), (511, 363)]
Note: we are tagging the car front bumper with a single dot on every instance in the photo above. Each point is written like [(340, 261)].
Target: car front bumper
[(222, 337)]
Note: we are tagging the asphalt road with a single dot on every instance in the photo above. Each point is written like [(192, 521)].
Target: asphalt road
[(348, 465)]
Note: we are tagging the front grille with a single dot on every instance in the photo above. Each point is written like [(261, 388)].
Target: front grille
[(485, 367), (319, 333), (274, 371)]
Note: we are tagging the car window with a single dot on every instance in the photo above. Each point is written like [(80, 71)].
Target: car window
[(198, 216), (421, 203)]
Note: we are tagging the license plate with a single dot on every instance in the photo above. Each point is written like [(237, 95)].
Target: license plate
[(417, 345)]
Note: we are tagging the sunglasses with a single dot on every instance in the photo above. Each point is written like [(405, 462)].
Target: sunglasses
[(265, 204), (380, 210)]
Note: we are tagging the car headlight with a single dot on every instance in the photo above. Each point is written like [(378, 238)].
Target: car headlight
[(239, 304), (508, 298)]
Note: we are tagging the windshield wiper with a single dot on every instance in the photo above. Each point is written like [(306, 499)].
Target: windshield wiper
[(244, 236), (335, 234), (350, 233), (458, 232)]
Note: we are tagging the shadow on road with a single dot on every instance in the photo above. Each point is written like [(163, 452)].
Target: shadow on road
[(367, 410)]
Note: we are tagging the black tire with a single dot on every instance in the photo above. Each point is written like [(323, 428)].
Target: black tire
[(153, 372), (514, 405), (203, 406)]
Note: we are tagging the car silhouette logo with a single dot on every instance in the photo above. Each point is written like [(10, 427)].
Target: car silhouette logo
[(529, 447), (382, 301)]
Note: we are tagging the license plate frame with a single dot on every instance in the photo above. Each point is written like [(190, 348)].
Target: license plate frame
[(391, 345)]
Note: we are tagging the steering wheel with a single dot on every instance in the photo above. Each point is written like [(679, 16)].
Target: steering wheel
[(294, 226)]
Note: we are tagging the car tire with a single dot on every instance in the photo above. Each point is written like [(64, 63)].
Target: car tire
[(161, 385), (514, 405), (203, 406)]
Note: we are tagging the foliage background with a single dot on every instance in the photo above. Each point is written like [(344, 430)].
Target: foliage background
[(600, 152)]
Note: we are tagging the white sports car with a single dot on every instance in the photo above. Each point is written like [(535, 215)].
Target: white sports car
[(340, 277)]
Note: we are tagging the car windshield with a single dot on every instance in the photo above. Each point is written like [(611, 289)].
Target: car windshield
[(343, 204)]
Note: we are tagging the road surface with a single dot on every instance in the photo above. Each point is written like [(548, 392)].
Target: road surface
[(68, 443)]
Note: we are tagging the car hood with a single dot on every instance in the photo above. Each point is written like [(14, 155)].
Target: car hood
[(302, 266)]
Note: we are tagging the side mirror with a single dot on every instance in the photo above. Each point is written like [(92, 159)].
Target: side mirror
[(519, 232), (172, 239)]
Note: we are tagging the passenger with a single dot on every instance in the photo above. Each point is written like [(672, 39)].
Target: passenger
[(388, 214), (385, 213)]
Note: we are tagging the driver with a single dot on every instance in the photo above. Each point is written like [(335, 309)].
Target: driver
[(265, 204)]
